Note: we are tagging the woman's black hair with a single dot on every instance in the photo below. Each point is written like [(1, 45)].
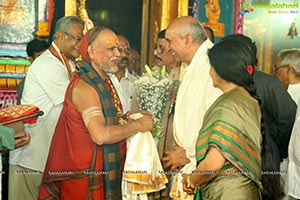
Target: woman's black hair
[(231, 58)]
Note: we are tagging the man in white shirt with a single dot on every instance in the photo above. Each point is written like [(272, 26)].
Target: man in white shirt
[(122, 79), (287, 70), (187, 38), (293, 170), (45, 86)]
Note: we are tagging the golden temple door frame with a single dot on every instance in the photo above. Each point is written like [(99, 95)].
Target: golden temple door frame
[(144, 32)]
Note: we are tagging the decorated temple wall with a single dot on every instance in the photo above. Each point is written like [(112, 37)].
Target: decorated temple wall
[(12, 71), (20, 22)]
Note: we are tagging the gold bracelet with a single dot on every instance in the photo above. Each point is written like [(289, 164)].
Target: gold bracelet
[(188, 183)]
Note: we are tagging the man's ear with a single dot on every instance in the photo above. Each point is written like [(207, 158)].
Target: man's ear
[(290, 68), (30, 58), (90, 52), (188, 40), (60, 36)]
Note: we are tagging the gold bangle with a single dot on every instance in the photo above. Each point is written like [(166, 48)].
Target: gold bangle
[(189, 185), (188, 182)]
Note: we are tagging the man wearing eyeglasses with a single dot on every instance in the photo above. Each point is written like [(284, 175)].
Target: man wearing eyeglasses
[(122, 79), (163, 54), (287, 70), (45, 86)]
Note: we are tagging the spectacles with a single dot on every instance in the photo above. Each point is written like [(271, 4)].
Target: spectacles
[(77, 39), (159, 48), (275, 68)]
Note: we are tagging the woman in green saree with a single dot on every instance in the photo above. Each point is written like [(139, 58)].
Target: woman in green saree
[(230, 141)]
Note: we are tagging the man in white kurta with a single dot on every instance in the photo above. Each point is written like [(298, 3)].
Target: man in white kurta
[(293, 171), (287, 70), (125, 90), (45, 86), (122, 80), (195, 95), (294, 91)]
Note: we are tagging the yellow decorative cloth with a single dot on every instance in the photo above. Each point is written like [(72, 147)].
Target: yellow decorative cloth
[(143, 172)]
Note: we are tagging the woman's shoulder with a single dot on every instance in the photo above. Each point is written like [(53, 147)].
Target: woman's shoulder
[(236, 100)]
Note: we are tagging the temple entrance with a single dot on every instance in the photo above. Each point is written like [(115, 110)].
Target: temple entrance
[(123, 17)]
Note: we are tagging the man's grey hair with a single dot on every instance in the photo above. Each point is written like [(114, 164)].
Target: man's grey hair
[(196, 30), (64, 24), (290, 57)]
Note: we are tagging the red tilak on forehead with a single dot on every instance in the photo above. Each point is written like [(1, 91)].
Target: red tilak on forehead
[(113, 40)]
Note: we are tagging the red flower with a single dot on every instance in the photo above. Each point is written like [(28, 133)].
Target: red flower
[(250, 69)]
